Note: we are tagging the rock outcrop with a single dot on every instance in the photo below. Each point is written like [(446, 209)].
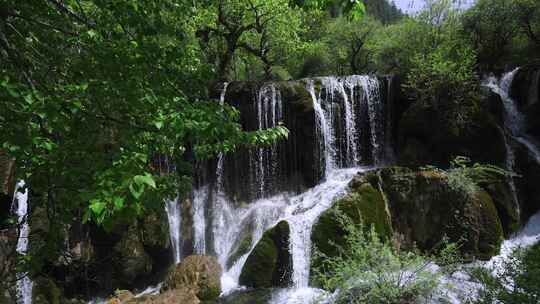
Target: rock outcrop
[(269, 264), (419, 208), (199, 274)]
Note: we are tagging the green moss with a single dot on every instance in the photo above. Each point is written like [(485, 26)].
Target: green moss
[(364, 204), (297, 94), (490, 229), (269, 263), (242, 248)]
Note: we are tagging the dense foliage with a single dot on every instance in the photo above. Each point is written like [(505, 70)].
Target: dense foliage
[(372, 270)]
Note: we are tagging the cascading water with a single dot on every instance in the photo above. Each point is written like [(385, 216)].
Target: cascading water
[(341, 107), (226, 222), (20, 208), (513, 118), (172, 207), (200, 199), (513, 122)]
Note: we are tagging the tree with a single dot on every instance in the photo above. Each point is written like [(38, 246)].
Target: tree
[(492, 26), (92, 91), (528, 12), (255, 27), (348, 40)]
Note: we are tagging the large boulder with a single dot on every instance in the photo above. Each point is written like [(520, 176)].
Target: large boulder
[(181, 295), (270, 263), (201, 274), (427, 205), (418, 208), (363, 204)]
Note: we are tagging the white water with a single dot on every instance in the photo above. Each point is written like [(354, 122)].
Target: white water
[(232, 222), (172, 207), (302, 214), (342, 101), (458, 287), (200, 199), (325, 130), (20, 208)]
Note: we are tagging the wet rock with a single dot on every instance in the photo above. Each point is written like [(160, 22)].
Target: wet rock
[(269, 264), (525, 91), (180, 295), (423, 207), (364, 204), (130, 259), (528, 169), (428, 136), (200, 274)]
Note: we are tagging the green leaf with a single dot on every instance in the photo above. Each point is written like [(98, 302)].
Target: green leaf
[(118, 203), (137, 193), (97, 207), (145, 179)]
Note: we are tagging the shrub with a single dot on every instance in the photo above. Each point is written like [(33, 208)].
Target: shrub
[(373, 271)]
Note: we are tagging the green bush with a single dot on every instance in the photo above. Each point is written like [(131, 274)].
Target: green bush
[(372, 271)]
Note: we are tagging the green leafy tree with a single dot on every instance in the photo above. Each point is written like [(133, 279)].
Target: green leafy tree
[(492, 26), (267, 30), (94, 91)]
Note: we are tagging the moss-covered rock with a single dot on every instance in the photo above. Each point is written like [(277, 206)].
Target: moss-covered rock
[(155, 230), (430, 136), (425, 207), (241, 249), (364, 204), (418, 208), (506, 205), (269, 264), (201, 274)]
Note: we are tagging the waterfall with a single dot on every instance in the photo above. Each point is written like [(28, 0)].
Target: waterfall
[(302, 214), (200, 199), (20, 208), (513, 122), (372, 96), (348, 113), (324, 130), (172, 207), (341, 107), (269, 114)]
